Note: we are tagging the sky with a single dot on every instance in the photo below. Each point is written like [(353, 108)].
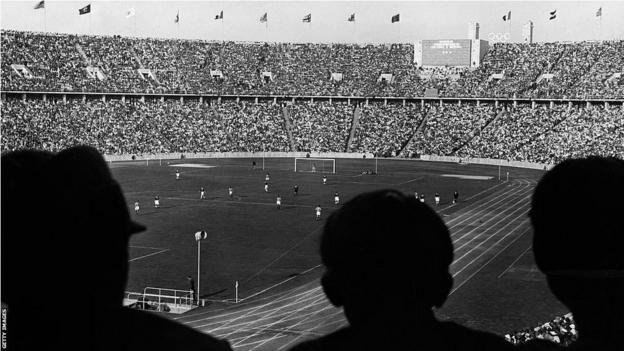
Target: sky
[(576, 20)]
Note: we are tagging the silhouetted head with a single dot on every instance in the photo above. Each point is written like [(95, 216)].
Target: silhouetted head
[(385, 249), (67, 228), (578, 241)]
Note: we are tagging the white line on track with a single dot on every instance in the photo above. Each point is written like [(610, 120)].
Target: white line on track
[(516, 260), (488, 262), (150, 254)]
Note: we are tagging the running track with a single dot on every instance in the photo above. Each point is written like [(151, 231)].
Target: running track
[(480, 232)]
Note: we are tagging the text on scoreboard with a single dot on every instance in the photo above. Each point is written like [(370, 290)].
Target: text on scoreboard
[(446, 52)]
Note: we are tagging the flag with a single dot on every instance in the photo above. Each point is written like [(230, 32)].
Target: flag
[(307, 18), (130, 12), (177, 19), (40, 5), (84, 10), (395, 18), (553, 15), (219, 16), (598, 13), (507, 17), (264, 18), (351, 18)]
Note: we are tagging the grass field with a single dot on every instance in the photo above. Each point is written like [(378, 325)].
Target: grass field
[(273, 254)]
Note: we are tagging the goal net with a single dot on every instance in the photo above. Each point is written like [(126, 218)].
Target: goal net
[(319, 165)]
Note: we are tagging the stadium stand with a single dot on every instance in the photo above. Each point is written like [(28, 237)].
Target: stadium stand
[(584, 69)]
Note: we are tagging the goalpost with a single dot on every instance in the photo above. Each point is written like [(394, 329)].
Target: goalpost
[(320, 165)]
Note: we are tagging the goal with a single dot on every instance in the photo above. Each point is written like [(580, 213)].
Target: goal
[(320, 165)]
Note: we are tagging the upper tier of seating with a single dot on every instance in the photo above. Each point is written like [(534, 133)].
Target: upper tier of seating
[(59, 62)]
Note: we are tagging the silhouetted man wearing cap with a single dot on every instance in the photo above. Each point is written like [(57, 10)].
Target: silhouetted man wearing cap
[(370, 245), (72, 254), (578, 245)]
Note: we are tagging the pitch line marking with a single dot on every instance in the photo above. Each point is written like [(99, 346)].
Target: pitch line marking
[(516, 260), (280, 283), (282, 255), (150, 254)]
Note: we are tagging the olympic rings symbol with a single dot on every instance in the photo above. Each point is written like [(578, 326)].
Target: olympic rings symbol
[(499, 37)]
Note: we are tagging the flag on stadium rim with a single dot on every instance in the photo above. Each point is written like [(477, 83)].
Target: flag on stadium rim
[(507, 17), (307, 18), (130, 12), (177, 19), (40, 5), (395, 18), (598, 13), (264, 18), (84, 10), (553, 15), (219, 16), (351, 18)]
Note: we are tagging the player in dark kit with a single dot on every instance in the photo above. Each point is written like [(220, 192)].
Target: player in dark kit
[(253, 165), (455, 196), (296, 189)]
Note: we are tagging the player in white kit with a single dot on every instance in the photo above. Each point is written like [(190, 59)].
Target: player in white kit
[(156, 201), (437, 199), (202, 193), (136, 207), (336, 198), (177, 174), (230, 191), (266, 178), (278, 201), (318, 212), (324, 180), (266, 187)]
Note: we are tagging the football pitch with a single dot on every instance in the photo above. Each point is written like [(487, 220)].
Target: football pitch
[(273, 253)]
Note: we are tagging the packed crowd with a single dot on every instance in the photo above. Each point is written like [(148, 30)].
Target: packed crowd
[(136, 127), (59, 62), (448, 127), (560, 330), (543, 135), (320, 127), (384, 130)]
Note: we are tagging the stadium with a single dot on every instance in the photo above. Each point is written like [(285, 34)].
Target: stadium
[(217, 129)]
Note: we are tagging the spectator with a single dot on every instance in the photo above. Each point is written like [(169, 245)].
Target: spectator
[(577, 245), (368, 245), (77, 247)]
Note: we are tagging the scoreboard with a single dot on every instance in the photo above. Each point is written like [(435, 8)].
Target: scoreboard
[(455, 52), (446, 52)]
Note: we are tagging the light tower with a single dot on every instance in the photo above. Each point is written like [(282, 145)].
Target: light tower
[(199, 236), (527, 33), (473, 30)]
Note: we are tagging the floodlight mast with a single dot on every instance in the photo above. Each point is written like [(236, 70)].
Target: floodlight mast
[(199, 236)]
